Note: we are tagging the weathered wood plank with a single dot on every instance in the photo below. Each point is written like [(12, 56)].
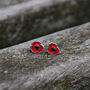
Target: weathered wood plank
[(21, 69), (35, 18)]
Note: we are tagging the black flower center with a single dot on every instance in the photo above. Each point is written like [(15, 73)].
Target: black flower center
[(53, 49), (37, 47)]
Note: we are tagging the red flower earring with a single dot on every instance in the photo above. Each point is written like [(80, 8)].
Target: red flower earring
[(36, 47), (53, 49)]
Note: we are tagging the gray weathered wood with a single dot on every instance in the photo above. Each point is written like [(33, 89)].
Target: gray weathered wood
[(21, 69), (25, 21)]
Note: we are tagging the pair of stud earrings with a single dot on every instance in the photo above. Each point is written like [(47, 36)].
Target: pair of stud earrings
[(37, 47)]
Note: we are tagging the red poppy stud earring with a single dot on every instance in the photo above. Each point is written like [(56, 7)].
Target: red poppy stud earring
[(36, 47), (53, 49)]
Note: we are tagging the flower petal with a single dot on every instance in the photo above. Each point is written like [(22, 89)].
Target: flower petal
[(50, 49), (36, 42), (33, 49)]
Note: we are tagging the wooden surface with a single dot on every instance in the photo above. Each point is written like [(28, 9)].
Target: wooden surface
[(21, 69)]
